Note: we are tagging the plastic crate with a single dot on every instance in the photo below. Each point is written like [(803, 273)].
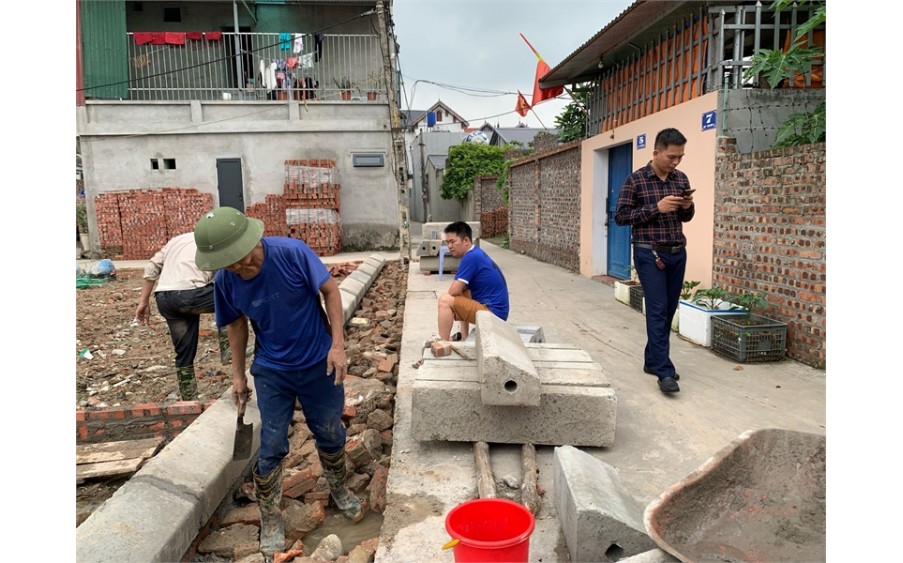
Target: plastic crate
[(636, 297), (749, 338)]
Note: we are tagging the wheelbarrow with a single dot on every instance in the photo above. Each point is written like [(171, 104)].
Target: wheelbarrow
[(761, 498)]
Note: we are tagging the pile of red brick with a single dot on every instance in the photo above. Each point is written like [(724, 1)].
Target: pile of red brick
[(135, 224), (307, 209), (494, 223)]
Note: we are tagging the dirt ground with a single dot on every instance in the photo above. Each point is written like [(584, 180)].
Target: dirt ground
[(119, 363)]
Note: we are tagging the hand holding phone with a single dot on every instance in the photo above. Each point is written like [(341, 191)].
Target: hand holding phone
[(687, 193)]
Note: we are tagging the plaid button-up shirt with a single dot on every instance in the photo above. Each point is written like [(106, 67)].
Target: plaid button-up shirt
[(638, 207)]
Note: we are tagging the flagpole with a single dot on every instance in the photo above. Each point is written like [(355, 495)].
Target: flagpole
[(538, 119)]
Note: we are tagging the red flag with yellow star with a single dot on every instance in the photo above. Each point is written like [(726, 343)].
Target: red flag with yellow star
[(522, 106)]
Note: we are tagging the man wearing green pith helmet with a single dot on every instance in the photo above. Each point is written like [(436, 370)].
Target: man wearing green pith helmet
[(276, 283)]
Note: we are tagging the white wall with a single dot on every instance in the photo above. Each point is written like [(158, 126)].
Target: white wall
[(119, 139)]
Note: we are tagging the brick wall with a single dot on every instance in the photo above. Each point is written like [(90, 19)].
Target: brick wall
[(769, 236), (486, 195), (152, 420), (544, 206)]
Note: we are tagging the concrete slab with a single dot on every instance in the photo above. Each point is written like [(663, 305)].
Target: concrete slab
[(437, 230), (507, 375), (600, 519), (447, 406), (431, 264)]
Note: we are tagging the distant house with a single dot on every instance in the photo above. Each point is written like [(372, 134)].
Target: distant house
[(523, 136), (427, 140)]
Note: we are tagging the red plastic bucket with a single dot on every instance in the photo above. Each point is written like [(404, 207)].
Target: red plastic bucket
[(490, 529)]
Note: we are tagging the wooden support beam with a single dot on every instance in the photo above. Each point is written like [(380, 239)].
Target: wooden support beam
[(485, 480), (529, 491)]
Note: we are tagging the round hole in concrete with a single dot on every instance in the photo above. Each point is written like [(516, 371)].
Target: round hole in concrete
[(511, 386)]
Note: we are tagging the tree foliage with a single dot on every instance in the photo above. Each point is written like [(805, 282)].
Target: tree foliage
[(572, 119), (778, 65), (467, 161)]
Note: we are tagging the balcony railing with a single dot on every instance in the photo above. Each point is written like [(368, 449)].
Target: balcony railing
[(228, 66)]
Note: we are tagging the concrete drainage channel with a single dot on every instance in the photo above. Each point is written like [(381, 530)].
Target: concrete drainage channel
[(157, 514)]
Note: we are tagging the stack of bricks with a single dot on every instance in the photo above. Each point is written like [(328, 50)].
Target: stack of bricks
[(134, 224), (494, 223), (272, 213), (311, 197)]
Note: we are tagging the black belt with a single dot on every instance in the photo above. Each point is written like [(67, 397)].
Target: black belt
[(660, 248)]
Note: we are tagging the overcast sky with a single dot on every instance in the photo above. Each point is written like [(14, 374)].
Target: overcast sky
[(474, 50)]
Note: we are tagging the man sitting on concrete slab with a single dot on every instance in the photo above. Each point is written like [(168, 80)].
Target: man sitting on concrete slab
[(479, 284)]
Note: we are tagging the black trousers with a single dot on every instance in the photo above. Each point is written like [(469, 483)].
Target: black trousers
[(182, 310)]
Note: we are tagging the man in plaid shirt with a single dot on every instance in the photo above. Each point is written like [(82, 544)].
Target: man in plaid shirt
[(656, 201)]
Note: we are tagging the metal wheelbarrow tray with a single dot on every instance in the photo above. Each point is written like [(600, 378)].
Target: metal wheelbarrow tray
[(761, 498)]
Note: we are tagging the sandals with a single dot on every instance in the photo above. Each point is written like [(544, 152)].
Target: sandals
[(456, 337)]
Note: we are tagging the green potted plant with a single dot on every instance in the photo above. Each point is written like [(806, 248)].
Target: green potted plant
[(374, 84), (696, 313), (749, 337), (686, 292), (344, 85)]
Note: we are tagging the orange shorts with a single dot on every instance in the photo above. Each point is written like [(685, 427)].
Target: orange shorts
[(465, 308)]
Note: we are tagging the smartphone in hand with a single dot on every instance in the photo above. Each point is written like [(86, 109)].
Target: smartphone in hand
[(687, 193)]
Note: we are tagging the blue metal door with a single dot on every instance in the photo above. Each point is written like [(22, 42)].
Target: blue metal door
[(620, 165)]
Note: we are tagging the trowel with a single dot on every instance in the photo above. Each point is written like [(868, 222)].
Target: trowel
[(244, 433)]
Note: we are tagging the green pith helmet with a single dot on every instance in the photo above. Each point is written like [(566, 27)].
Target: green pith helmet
[(224, 236)]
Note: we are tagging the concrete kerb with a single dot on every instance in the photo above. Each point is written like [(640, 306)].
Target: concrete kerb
[(156, 515)]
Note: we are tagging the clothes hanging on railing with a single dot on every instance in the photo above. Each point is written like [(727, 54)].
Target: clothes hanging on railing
[(318, 47), (299, 43), (285, 41), (268, 75)]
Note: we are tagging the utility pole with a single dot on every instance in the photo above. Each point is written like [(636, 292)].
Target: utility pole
[(398, 148)]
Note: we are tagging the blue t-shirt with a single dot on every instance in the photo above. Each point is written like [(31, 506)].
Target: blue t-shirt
[(485, 281), (282, 302)]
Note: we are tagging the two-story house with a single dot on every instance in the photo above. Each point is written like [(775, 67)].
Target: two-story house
[(281, 109)]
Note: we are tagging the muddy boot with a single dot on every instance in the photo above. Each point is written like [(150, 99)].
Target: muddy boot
[(269, 497), (225, 352), (188, 385), (334, 470)]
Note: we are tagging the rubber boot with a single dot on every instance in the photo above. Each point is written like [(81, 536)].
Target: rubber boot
[(335, 472), (188, 384), (225, 352), (269, 497)]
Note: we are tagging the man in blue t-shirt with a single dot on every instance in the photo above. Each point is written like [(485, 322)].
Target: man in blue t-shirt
[(479, 284), (276, 283)]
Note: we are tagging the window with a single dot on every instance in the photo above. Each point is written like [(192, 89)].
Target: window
[(169, 163), (368, 160), (155, 164), (439, 115)]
